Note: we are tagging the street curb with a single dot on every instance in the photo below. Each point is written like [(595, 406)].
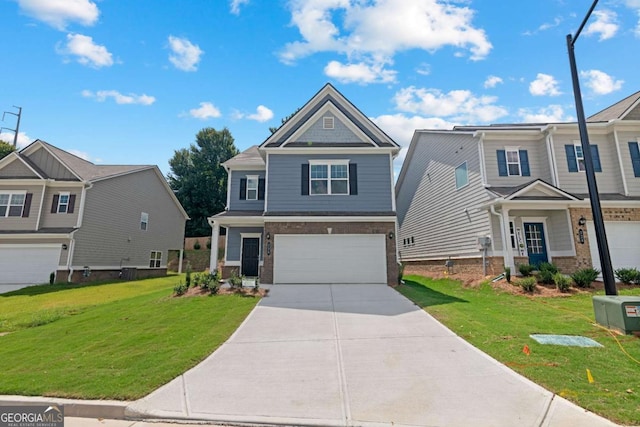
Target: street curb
[(110, 409)]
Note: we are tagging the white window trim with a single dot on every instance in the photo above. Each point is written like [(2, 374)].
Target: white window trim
[(156, 260), (146, 222), (11, 193), (328, 122), (519, 162), (455, 176), (577, 144), (257, 179), (329, 163), (64, 193)]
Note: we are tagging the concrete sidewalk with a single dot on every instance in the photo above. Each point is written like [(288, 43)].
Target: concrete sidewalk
[(345, 355)]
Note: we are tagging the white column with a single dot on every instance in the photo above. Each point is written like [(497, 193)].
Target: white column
[(507, 250), (180, 261), (215, 233)]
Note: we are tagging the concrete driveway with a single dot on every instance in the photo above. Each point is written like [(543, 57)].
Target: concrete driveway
[(4, 288), (350, 355)]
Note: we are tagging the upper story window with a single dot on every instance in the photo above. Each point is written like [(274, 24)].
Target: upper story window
[(63, 203), (462, 176), (252, 187), (575, 157), (513, 161), (329, 178), (144, 221), (12, 204), (327, 123), (579, 156)]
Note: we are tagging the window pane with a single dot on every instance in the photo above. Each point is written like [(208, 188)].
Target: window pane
[(319, 171), (338, 171), (579, 151), (4, 199), (514, 169), (252, 184), (339, 186), (17, 199), (62, 208), (461, 176), (64, 199), (15, 210), (3, 210), (512, 156), (252, 194), (319, 187)]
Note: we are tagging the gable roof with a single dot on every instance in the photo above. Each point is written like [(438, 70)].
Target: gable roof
[(248, 158), (618, 110), (15, 156), (329, 94), (535, 188)]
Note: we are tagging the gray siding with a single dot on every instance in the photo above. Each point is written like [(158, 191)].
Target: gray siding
[(633, 182), (317, 134), (374, 185), (17, 169), (50, 166), (18, 223), (51, 220), (609, 180), (558, 229), (538, 162), (441, 219), (110, 234), (633, 114), (234, 198), (234, 240)]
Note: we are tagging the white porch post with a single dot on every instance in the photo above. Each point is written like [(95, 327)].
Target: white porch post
[(180, 261), (215, 233), (506, 239)]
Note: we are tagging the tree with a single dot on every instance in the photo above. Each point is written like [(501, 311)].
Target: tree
[(198, 178), (274, 129), (5, 149)]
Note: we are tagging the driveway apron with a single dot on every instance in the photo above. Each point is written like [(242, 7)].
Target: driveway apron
[(350, 355)]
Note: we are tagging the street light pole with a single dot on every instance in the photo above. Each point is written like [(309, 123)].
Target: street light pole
[(594, 197)]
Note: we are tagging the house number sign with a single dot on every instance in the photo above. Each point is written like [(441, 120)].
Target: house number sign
[(521, 249)]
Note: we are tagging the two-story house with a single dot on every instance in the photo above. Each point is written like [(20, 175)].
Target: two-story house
[(314, 203), (517, 194), (60, 213)]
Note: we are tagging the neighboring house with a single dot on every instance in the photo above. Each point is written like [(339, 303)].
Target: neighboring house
[(523, 186), (60, 213), (314, 203)]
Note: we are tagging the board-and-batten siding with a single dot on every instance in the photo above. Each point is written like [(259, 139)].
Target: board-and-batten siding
[(234, 197), (15, 223), (374, 185), (443, 221), (17, 169), (50, 166), (234, 241), (633, 182), (609, 180), (317, 134), (56, 220), (111, 232), (539, 164)]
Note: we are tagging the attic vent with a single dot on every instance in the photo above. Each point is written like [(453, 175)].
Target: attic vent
[(327, 122)]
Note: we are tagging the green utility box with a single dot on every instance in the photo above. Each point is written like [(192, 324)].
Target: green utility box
[(621, 313)]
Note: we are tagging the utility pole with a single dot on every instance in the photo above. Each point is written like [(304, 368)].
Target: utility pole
[(594, 197), (17, 129)]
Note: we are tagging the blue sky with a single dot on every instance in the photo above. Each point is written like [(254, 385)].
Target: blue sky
[(131, 81)]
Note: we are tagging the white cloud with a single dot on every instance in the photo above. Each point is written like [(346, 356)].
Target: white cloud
[(59, 13), (551, 114), (119, 98), (492, 81), (359, 73), (206, 111), (262, 114), (23, 139), (235, 5), (600, 82), (401, 127), (424, 69), (605, 24), (544, 84), (459, 105), (86, 51), (186, 55)]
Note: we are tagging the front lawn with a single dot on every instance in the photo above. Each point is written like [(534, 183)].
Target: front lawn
[(499, 323), (109, 341)]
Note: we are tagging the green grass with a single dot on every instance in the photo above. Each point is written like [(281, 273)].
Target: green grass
[(499, 324), (109, 341)]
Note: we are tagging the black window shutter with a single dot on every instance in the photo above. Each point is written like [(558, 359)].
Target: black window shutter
[(304, 181), (54, 204), (261, 183), (353, 179), (634, 150), (524, 163), (595, 157), (572, 162), (72, 203), (502, 163), (27, 205), (243, 189)]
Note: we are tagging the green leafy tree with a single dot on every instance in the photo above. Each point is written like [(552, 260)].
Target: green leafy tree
[(198, 178), (5, 149), (274, 129)]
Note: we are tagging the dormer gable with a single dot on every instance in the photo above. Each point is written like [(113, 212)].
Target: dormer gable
[(534, 190), (14, 166), (45, 158)]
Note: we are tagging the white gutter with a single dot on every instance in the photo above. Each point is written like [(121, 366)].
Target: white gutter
[(552, 158), (483, 172), (505, 252)]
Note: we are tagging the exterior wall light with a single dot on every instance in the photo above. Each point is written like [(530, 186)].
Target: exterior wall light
[(391, 235), (582, 221), (64, 247)]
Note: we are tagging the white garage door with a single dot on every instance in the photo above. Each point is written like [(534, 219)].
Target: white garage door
[(624, 244), (330, 258), (28, 264)]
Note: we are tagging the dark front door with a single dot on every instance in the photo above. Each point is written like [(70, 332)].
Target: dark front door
[(250, 256), (536, 246)]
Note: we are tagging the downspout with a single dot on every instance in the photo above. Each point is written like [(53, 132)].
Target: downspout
[(44, 190), (72, 247), (483, 173), (504, 239)]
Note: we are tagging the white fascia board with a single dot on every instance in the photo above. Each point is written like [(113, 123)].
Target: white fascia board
[(247, 168), (35, 236), (330, 150), (329, 219), (546, 188), (231, 221)]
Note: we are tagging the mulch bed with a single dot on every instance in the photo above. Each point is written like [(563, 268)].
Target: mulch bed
[(247, 292)]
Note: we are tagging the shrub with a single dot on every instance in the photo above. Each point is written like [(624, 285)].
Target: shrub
[(527, 283), (196, 245), (526, 269), (188, 275), (628, 275), (546, 273), (197, 279), (584, 277), (563, 283), (52, 277), (507, 273), (209, 244), (235, 281), (180, 289)]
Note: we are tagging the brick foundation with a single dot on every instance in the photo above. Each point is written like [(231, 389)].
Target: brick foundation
[(104, 275), (274, 228), (460, 265)]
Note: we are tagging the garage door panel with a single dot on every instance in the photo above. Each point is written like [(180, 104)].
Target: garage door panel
[(28, 264), (624, 244), (337, 258)]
